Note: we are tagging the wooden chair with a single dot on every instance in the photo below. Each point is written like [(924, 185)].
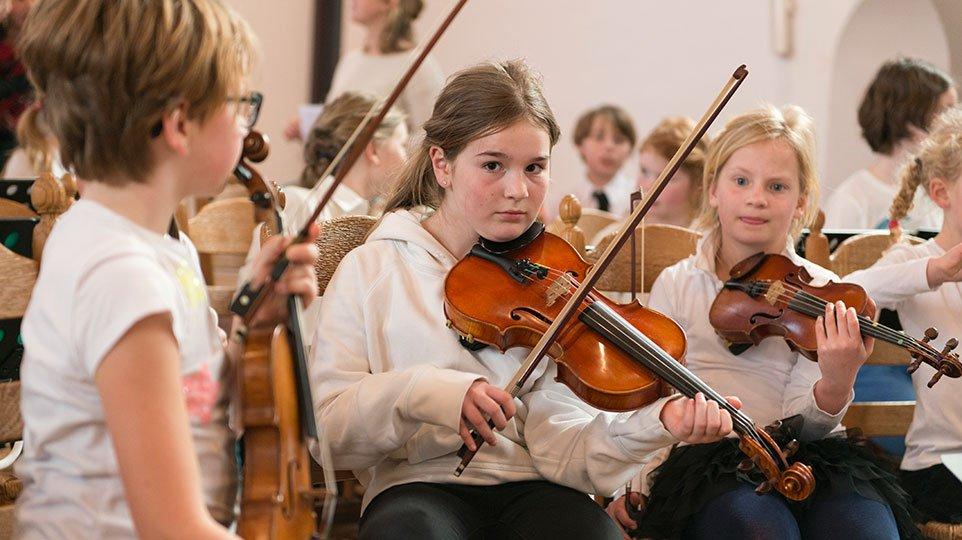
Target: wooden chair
[(222, 233), (589, 220), (657, 247), (50, 197)]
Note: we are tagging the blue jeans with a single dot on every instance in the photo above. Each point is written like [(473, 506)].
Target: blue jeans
[(742, 514)]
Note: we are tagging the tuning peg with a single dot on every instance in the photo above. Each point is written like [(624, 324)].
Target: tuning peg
[(930, 334), (914, 365), (791, 448), (765, 487), (950, 346), (938, 375)]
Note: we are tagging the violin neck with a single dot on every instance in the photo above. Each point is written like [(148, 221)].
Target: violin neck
[(302, 378), (608, 323)]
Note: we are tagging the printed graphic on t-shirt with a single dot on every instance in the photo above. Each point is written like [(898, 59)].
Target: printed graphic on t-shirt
[(190, 283), (200, 391)]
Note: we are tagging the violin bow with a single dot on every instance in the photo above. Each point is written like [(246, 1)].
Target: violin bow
[(249, 298), (624, 233)]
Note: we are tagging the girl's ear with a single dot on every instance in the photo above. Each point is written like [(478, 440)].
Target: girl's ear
[(371, 154), (939, 192), (712, 198), (443, 169)]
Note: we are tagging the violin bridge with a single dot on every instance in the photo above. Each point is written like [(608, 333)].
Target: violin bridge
[(557, 289), (775, 291)]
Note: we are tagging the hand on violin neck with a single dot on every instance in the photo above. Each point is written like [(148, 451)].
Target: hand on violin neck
[(841, 352), (299, 278), (946, 268), (483, 401), (698, 420)]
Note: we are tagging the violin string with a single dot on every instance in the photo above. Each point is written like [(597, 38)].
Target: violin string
[(817, 306), (681, 375)]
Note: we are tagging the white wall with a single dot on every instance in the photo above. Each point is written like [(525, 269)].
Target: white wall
[(285, 30)]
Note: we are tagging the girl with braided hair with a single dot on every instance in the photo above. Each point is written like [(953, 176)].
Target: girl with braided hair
[(923, 282)]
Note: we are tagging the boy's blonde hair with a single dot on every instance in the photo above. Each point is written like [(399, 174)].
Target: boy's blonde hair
[(333, 128), (939, 156), (790, 124), (476, 102), (105, 73), (666, 138)]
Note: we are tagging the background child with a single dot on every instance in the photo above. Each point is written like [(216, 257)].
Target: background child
[(900, 103), (922, 283)]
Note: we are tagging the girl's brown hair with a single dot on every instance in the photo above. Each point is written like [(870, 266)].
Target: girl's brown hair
[(105, 74), (790, 124), (475, 103), (334, 127), (939, 156), (666, 138), (618, 117), (904, 92), (398, 34)]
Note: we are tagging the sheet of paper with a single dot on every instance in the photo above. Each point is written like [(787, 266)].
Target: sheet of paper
[(308, 113)]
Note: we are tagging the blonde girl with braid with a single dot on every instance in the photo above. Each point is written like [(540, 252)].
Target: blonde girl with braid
[(923, 283), (384, 56)]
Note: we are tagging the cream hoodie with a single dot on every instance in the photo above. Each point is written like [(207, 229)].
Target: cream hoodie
[(389, 377)]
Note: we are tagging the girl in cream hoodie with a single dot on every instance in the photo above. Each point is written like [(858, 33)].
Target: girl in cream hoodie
[(396, 393)]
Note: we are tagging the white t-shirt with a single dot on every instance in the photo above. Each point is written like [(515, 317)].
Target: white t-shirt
[(101, 274), (378, 75), (863, 201), (898, 281)]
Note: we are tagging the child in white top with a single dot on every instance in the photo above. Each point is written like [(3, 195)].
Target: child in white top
[(377, 66), (125, 378), (604, 136), (899, 104), (395, 391), (760, 189), (922, 283)]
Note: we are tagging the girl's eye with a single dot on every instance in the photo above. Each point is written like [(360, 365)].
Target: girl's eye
[(491, 166), (535, 168), (741, 181), (778, 187)]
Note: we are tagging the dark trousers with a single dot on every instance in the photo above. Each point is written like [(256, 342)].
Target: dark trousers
[(517, 510)]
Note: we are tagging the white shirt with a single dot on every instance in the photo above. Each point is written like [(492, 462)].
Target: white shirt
[(299, 203), (379, 74), (389, 379), (863, 201), (898, 281), (618, 190), (101, 274)]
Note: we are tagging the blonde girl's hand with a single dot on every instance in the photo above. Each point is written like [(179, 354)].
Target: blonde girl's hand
[(480, 401), (299, 278), (698, 420), (841, 348)]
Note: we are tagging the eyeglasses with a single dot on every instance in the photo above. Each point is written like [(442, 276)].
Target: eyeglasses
[(248, 109)]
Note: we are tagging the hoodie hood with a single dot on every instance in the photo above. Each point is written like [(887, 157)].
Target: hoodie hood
[(404, 227)]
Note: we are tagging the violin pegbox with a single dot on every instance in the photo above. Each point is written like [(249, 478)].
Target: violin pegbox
[(945, 362)]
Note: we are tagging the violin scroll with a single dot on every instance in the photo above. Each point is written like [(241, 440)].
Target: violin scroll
[(795, 482)]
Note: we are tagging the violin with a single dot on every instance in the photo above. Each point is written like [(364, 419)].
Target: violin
[(275, 405), (768, 295), (614, 357)]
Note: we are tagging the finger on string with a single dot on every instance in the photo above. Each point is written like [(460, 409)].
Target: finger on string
[(831, 322), (820, 336), (851, 323)]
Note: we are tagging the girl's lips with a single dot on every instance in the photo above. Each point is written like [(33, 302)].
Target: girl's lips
[(512, 215), (753, 220)]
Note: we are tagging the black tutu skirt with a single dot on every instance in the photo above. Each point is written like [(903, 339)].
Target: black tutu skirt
[(696, 474), (935, 493)]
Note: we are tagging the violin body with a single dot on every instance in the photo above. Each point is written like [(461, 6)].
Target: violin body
[(277, 501), (741, 318), (486, 304)]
